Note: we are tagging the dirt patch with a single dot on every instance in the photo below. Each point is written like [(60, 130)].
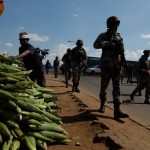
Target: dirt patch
[(90, 130), (82, 127)]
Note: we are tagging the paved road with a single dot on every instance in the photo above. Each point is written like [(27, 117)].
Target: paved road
[(138, 111)]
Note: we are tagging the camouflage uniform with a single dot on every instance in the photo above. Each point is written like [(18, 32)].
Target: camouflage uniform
[(144, 77), (78, 60), (130, 74), (112, 59), (67, 66), (56, 66)]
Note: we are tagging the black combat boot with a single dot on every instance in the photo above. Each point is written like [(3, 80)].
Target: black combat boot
[(146, 101), (69, 77), (118, 113), (77, 89), (66, 84), (102, 108), (132, 97), (139, 94), (73, 89)]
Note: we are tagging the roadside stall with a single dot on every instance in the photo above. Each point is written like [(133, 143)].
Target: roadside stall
[(28, 113)]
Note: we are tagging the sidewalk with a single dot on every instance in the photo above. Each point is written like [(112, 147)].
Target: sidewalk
[(124, 134)]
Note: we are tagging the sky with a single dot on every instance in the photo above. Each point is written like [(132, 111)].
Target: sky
[(52, 23)]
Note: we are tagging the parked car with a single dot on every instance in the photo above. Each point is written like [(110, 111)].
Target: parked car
[(93, 70)]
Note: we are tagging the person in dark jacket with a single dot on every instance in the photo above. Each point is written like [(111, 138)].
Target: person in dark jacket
[(31, 59), (56, 66), (47, 66), (112, 59)]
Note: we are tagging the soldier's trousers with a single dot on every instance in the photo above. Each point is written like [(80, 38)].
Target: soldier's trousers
[(68, 73), (143, 84), (76, 72), (56, 70), (106, 75)]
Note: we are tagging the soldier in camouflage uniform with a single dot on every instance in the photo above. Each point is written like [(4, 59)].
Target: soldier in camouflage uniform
[(67, 66), (112, 59), (56, 66), (144, 77), (78, 60)]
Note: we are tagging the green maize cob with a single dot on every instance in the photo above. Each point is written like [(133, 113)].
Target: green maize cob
[(23, 73), (36, 116), (41, 137), (4, 130), (48, 97), (33, 92), (49, 127), (4, 65), (65, 141), (6, 80), (52, 117), (32, 122), (7, 144), (31, 96), (44, 90), (35, 85), (8, 59), (25, 83), (31, 100), (15, 145), (40, 100), (12, 124), (6, 95), (9, 114), (14, 106), (8, 68), (27, 141), (1, 139), (51, 104), (52, 111), (13, 134), (32, 140), (18, 133), (41, 144), (17, 95), (3, 74), (28, 106), (54, 135), (40, 106)]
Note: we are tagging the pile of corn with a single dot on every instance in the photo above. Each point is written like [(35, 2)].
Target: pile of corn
[(28, 112)]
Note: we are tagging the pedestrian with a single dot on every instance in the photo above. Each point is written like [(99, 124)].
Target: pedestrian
[(139, 79), (67, 66), (78, 61), (130, 74), (112, 59), (144, 75), (38, 50), (31, 59), (56, 66), (47, 66)]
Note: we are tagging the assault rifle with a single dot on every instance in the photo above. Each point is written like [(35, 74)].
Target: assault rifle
[(120, 50)]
